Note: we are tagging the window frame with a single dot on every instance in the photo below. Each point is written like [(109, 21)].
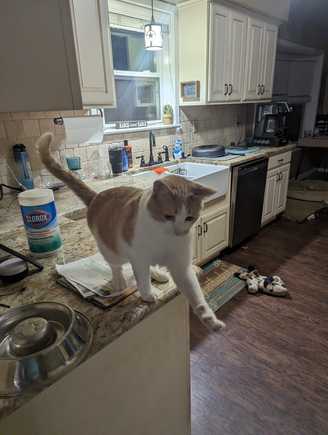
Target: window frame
[(166, 68)]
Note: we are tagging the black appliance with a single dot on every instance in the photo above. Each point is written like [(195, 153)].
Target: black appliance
[(295, 122), (271, 124), (247, 197)]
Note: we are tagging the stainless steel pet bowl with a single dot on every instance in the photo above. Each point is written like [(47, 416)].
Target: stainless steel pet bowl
[(39, 343)]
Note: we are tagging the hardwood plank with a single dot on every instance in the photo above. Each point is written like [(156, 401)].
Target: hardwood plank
[(267, 372)]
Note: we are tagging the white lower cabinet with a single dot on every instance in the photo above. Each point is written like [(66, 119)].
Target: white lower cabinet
[(276, 189), (210, 234), (195, 243), (269, 196), (282, 189), (145, 366)]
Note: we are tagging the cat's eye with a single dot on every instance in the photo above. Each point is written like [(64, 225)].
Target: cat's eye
[(169, 217), (189, 219)]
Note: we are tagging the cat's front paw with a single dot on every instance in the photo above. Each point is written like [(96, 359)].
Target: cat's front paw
[(150, 296), (208, 318)]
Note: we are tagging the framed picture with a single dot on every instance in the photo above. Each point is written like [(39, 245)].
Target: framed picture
[(190, 91)]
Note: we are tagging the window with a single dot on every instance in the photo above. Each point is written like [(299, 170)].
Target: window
[(144, 80)]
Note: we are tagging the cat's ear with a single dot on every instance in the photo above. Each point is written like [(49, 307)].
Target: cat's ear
[(201, 191), (160, 187)]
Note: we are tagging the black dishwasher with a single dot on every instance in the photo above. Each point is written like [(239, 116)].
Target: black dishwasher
[(247, 196)]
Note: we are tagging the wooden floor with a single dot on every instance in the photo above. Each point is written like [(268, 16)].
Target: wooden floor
[(267, 373)]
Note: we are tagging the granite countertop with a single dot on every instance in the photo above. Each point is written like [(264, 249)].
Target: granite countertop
[(68, 204), (107, 325), (313, 142), (263, 152)]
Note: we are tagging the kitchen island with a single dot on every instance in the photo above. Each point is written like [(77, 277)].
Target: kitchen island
[(140, 354), (136, 375)]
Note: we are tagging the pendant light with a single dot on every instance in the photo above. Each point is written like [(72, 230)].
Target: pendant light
[(153, 33)]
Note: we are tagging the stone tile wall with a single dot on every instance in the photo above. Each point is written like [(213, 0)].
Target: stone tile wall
[(200, 125)]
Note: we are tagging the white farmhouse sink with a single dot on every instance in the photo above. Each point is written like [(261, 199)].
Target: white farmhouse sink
[(213, 176)]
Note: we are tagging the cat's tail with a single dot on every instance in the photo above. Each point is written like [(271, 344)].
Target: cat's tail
[(43, 144)]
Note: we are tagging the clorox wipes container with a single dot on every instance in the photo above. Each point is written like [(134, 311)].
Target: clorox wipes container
[(40, 218)]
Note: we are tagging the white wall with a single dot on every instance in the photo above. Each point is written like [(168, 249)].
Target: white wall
[(276, 8)]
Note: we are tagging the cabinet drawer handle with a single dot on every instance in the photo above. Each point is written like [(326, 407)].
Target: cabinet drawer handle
[(263, 89), (205, 227), (230, 87), (280, 160), (226, 89), (200, 230)]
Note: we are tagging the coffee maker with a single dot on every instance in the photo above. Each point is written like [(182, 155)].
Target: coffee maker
[(271, 124)]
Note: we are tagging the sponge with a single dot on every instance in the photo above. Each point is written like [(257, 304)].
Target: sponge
[(159, 170)]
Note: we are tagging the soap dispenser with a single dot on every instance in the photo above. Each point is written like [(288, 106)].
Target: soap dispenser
[(23, 164)]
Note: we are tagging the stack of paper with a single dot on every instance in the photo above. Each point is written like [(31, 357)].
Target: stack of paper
[(92, 277)]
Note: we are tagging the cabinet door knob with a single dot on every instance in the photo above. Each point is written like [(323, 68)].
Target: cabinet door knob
[(230, 87), (226, 89), (200, 230)]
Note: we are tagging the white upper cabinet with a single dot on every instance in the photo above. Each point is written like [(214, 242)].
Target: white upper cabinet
[(59, 58), (93, 50), (254, 59), (227, 43), (270, 37), (219, 53), (238, 31), (225, 54), (260, 59)]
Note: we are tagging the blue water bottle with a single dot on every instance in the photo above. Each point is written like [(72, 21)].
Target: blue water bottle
[(24, 166), (178, 147)]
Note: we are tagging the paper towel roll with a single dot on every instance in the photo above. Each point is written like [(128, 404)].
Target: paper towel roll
[(83, 130)]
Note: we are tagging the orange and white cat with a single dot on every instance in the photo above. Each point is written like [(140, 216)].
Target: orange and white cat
[(148, 228)]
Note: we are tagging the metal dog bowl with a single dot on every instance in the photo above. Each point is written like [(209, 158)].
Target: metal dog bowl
[(39, 343)]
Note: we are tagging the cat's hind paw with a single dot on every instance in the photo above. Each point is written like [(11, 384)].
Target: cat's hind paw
[(208, 318)]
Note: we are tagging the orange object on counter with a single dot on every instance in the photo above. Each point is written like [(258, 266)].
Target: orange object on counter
[(160, 170)]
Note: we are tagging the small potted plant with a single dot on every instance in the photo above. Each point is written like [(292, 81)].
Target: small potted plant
[(168, 114)]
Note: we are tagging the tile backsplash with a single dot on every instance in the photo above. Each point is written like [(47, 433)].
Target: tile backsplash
[(200, 125)]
